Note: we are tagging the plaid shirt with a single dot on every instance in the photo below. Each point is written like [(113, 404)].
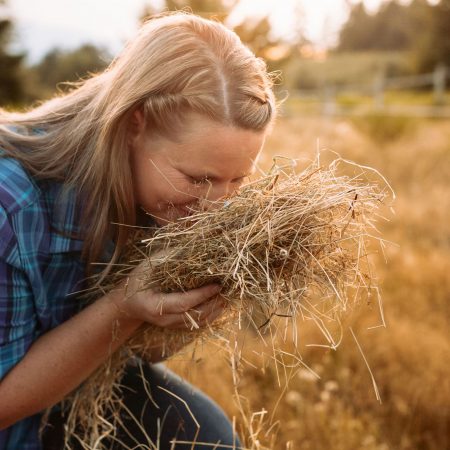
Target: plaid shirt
[(40, 266)]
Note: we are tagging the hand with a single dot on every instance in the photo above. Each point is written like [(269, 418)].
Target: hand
[(195, 308)]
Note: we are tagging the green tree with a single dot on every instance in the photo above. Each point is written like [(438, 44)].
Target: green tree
[(391, 28), (256, 34), (11, 83), (356, 34), (419, 27), (59, 66), (432, 48)]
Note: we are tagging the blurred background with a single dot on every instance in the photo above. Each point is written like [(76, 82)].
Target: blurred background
[(368, 80)]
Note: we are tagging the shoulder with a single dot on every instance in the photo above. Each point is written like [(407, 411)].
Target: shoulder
[(17, 189)]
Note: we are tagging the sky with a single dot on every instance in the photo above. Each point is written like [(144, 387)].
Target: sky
[(41, 25)]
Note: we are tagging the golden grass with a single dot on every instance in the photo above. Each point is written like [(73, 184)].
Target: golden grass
[(279, 243), (324, 399), (409, 358)]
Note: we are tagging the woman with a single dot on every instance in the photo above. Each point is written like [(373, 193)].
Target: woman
[(178, 118)]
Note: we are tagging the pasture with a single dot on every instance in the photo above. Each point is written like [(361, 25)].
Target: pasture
[(285, 405)]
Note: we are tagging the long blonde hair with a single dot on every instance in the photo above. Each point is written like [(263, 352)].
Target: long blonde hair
[(177, 63)]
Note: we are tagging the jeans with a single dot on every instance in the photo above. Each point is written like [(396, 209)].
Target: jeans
[(171, 420)]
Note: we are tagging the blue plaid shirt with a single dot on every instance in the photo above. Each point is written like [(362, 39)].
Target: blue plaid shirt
[(40, 266)]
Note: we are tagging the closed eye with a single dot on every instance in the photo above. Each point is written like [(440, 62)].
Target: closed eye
[(208, 180), (199, 181)]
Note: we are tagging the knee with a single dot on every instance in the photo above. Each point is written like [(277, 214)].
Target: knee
[(192, 416)]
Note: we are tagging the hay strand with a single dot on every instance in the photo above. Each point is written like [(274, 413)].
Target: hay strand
[(287, 245)]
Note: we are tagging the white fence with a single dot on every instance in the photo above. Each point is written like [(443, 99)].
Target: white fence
[(326, 99)]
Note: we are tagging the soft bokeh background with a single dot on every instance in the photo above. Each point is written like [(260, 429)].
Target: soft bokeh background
[(370, 82)]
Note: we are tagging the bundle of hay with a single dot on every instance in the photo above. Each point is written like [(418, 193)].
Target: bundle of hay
[(281, 240)]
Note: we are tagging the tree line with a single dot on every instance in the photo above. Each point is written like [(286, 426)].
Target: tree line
[(420, 28)]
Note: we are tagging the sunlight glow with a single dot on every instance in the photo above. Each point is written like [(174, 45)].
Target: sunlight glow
[(44, 24)]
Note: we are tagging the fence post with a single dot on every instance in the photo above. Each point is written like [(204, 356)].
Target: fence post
[(439, 77), (378, 90), (329, 103)]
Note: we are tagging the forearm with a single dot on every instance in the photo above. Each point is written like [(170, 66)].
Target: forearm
[(60, 360), (63, 358)]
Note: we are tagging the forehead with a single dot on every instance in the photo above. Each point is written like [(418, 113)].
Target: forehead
[(208, 146)]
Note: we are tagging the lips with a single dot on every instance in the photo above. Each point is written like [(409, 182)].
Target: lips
[(169, 212), (172, 212)]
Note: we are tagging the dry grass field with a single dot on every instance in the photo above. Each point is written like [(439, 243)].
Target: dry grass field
[(409, 359)]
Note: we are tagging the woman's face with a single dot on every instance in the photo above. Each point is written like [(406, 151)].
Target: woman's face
[(208, 162)]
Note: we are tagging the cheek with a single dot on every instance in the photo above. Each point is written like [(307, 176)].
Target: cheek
[(175, 190), (158, 186)]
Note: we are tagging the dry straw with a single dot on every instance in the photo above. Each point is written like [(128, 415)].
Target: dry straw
[(282, 241)]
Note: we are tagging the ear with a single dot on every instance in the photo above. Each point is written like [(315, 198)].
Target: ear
[(136, 124)]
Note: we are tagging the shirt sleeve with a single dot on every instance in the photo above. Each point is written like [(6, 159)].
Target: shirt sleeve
[(17, 312)]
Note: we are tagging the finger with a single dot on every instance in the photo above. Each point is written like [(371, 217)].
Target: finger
[(181, 321), (181, 302), (175, 322), (187, 320), (195, 318), (206, 308), (212, 317), (210, 312)]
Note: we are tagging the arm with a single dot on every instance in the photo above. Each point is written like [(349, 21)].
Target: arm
[(65, 356), (61, 359)]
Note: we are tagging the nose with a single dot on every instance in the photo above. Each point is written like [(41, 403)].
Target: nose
[(218, 191), (221, 190)]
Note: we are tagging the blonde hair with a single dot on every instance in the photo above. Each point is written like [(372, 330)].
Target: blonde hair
[(177, 63)]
